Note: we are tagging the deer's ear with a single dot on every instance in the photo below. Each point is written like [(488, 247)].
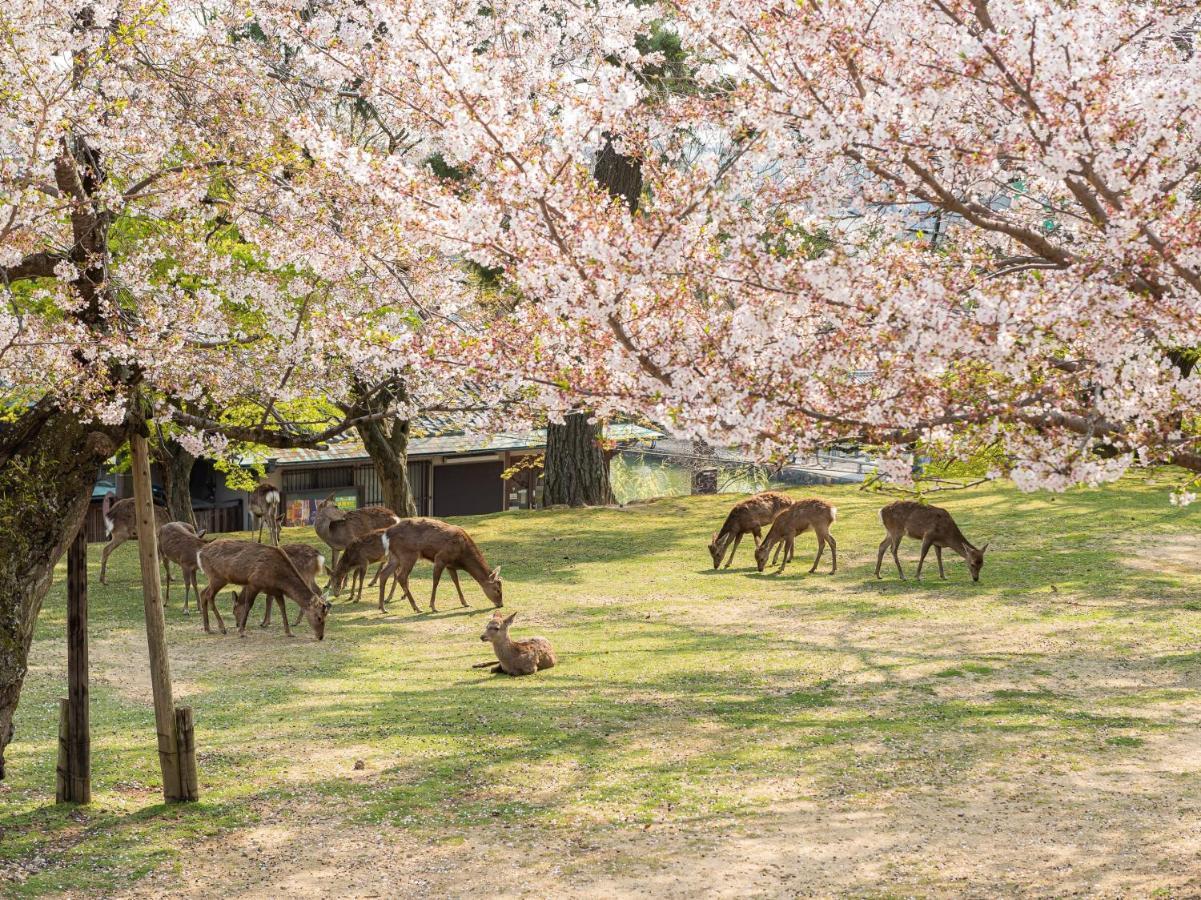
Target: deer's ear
[(985, 547), (203, 532), (330, 498), (509, 621), (495, 575)]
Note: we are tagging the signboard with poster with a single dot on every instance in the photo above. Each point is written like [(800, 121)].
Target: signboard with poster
[(300, 507)]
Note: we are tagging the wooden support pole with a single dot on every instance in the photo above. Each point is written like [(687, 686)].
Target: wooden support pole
[(62, 775), (156, 628), (187, 753), (75, 757)]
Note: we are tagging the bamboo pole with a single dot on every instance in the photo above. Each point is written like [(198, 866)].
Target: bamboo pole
[(78, 758), (156, 629)]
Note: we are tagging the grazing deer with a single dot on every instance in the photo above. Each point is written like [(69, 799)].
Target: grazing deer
[(338, 527), (749, 515), (516, 657), (309, 563), (358, 555), (447, 547), (264, 504), (179, 543), (121, 524), (799, 517), (266, 569), (934, 527)]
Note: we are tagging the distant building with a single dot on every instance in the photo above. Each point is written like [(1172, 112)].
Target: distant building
[(449, 474)]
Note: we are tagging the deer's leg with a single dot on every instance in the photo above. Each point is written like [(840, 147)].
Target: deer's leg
[(438, 567), (938, 553), (266, 613), (757, 534), (260, 537), (821, 548), (113, 543), (880, 555), (401, 576), (733, 548), (780, 546), (896, 542), (209, 598), (787, 545), (283, 612), (167, 569), (927, 543), (833, 551), (454, 576), (387, 567), (299, 613)]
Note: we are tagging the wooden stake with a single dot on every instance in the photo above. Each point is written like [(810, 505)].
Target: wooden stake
[(78, 755), (62, 778), (156, 628), (187, 753)]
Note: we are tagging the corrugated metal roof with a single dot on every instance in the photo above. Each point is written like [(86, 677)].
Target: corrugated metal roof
[(454, 443)]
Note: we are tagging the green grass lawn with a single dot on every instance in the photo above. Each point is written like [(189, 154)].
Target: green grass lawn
[(704, 732)]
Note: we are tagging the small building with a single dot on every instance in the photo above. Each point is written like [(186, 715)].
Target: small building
[(449, 474)]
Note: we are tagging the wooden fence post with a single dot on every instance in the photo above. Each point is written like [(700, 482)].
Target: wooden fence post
[(156, 629), (75, 759)]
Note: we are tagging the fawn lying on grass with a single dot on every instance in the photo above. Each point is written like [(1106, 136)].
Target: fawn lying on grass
[(749, 515), (797, 518), (934, 527), (516, 657)]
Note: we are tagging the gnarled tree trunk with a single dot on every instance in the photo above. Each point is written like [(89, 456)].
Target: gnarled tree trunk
[(386, 441), (48, 465), (576, 467), (177, 477)]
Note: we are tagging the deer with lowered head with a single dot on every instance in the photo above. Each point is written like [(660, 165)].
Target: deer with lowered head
[(358, 555), (267, 570), (309, 563), (447, 547), (179, 543), (338, 527), (795, 519), (934, 527), (749, 515), (121, 524), (516, 657), (264, 503)]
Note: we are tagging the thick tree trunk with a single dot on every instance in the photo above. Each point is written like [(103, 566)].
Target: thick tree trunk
[(576, 467), (48, 465), (177, 474), (387, 443)]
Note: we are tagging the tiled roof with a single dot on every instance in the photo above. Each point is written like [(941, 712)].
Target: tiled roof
[(455, 443)]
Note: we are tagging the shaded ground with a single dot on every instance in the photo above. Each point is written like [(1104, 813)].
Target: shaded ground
[(720, 734)]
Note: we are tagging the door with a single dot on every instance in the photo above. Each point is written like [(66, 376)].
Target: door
[(467, 489)]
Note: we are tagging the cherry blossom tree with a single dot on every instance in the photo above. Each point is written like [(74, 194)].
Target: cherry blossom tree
[(171, 254), (962, 223)]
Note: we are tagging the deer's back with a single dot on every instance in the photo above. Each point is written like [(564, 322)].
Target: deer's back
[(124, 514), (535, 652), (370, 518), (179, 543), (252, 563), (804, 514), (917, 520), (430, 538), (308, 560)]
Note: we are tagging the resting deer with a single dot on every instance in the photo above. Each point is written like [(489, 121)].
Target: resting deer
[(264, 504), (309, 563), (750, 515), (266, 569), (934, 527), (179, 543), (358, 555), (516, 657), (338, 527), (799, 517), (121, 524), (447, 547)]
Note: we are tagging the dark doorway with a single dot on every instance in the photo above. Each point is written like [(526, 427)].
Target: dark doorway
[(467, 489)]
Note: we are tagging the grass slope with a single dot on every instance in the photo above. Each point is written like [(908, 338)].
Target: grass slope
[(705, 732)]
